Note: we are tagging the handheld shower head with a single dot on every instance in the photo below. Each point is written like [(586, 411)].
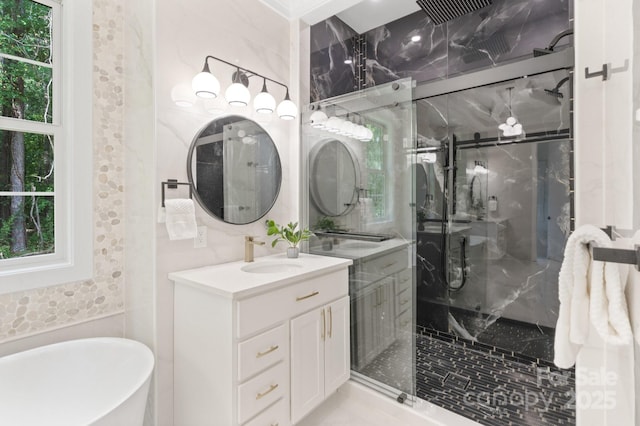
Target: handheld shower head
[(556, 90), (540, 52)]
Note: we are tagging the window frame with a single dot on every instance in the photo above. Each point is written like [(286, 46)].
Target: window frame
[(73, 156)]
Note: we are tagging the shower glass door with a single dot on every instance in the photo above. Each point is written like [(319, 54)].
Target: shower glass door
[(495, 212), (359, 203)]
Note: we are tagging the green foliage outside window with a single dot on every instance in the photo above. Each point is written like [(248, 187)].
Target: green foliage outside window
[(375, 161), (26, 159)]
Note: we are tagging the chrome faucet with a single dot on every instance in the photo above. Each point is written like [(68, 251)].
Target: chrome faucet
[(249, 242)]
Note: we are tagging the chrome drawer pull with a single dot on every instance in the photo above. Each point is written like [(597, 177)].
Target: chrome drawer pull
[(404, 302), (315, 293), (275, 424), (330, 322), (268, 351), (267, 392), (389, 265)]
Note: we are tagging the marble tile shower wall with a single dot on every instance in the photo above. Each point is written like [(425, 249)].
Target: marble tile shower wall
[(27, 312), (505, 31)]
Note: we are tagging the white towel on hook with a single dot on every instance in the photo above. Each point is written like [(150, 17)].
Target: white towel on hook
[(632, 291), (180, 216), (589, 292)]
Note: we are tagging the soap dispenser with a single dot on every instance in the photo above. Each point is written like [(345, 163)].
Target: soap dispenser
[(493, 203)]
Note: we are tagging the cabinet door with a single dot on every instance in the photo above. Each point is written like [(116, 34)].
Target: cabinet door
[(336, 351), (307, 362)]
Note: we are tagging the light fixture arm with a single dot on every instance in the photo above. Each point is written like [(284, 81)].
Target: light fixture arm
[(249, 73)]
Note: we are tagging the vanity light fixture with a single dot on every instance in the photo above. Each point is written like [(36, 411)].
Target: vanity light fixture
[(206, 85), (340, 126)]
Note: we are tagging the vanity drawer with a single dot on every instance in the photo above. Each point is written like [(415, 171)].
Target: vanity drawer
[(262, 351), (387, 264), (404, 322), (276, 415), (403, 281), (258, 312), (262, 391)]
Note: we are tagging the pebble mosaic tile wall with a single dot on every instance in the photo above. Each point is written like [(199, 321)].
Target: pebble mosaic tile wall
[(27, 312)]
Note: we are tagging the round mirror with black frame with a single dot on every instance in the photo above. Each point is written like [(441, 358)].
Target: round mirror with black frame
[(234, 168), (334, 176)]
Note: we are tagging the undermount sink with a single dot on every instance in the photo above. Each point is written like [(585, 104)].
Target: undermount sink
[(272, 266), (358, 245)]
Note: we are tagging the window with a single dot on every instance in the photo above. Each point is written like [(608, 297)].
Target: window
[(45, 143), (376, 169)]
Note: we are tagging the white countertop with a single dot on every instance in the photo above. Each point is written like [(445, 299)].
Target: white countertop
[(356, 249), (230, 281)]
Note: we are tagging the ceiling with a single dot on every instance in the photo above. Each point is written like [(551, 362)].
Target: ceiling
[(360, 15)]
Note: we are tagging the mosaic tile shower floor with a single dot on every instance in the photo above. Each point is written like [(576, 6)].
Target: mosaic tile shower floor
[(491, 386)]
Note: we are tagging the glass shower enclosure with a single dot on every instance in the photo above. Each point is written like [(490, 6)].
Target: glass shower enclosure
[(359, 203), (455, 209)]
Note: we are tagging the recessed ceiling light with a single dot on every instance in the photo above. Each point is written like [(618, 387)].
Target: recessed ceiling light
[(348, 61), (415, 38)]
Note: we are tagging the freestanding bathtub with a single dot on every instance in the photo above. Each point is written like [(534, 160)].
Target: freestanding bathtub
[(96, 381)]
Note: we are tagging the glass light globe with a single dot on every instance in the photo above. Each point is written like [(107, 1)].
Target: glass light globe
[(341, 127), (287, 110), (369, 135), (511, 121), (360, 132), (237, 95), (264, 103), (333, 124), (318, 119), (205, 85), (349, 129)]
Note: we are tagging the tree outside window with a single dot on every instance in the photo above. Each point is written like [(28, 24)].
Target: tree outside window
[(26, 142), (376, 169)]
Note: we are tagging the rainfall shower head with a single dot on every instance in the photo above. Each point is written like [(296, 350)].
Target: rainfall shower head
[(486, 49), (441, 11)]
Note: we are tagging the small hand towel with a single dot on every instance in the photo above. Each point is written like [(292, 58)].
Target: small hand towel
[(589, 291), (181, 218), (633, 292)]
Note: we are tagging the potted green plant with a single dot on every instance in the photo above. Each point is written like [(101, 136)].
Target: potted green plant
[(289, 233), (325, 224)]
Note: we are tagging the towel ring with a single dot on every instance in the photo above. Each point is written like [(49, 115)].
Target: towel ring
[(173, 184)]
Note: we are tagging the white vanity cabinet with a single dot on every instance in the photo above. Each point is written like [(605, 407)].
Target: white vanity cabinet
[(245, 347), (319, 355), (381, 303)]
